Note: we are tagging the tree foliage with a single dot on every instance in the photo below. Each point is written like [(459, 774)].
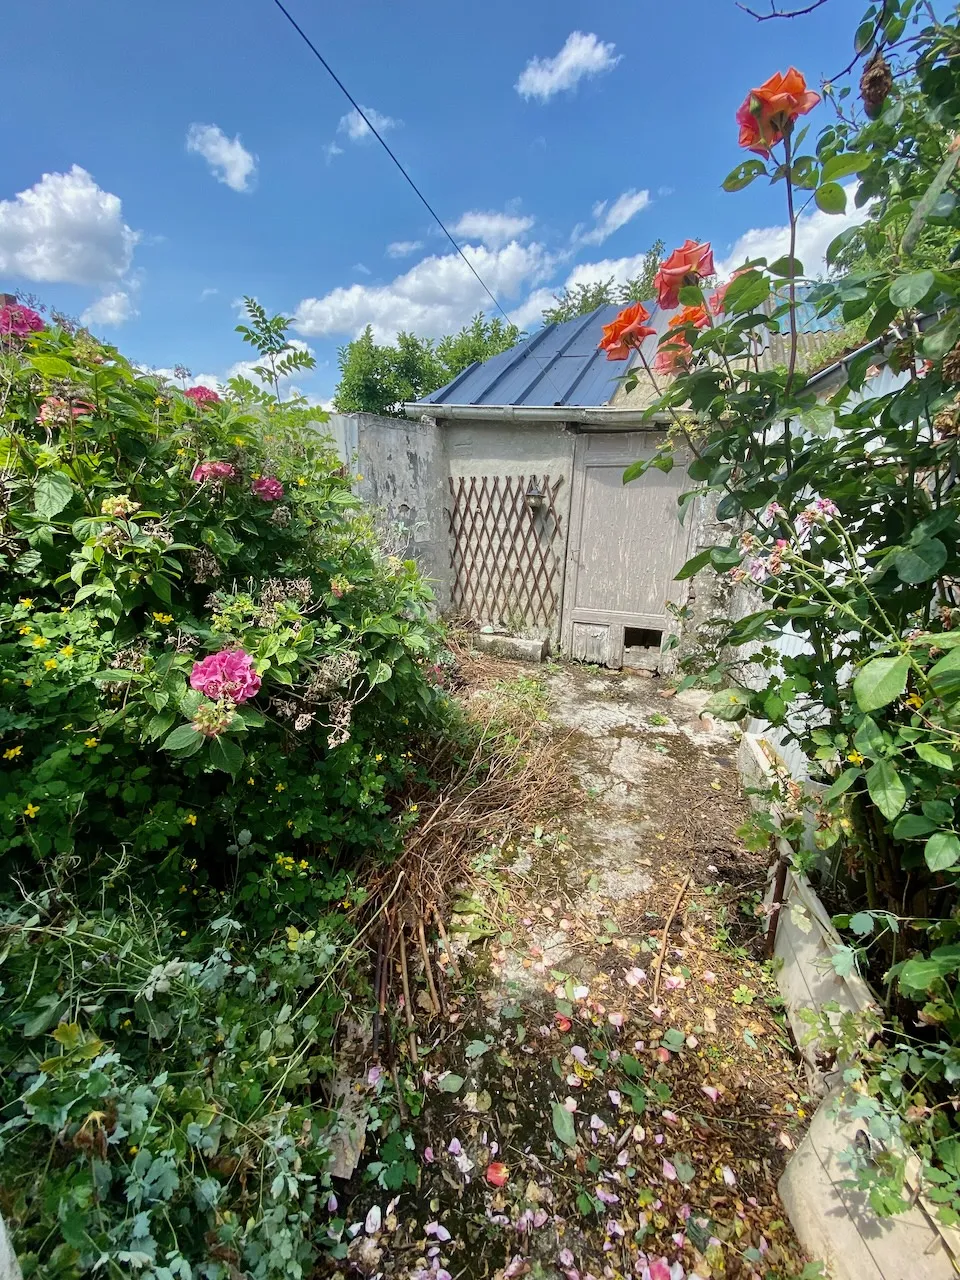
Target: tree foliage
[(581, 299), (378, 378)]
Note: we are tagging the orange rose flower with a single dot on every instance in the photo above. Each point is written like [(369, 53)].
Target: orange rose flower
[(696, 316), (769, 110), (674, 356), (626, 332), (686, 265)]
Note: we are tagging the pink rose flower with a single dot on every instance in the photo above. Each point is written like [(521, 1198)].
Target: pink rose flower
[(202, 395), (268, 488), (19, 321), (213, 471), (227, 674)]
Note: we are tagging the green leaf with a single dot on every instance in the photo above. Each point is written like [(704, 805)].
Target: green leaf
[(380, 673), (729, 704), (909, 826), (862, 923), (746, 293), (831, 198), (694, 565), (184, 738), (786, 267), (53, 367), (563, 1125), (52, 493), (941, 337), (920, 973), (636, 470), (673, 1039), (944, 676), (451, 1083), (476, 1048), (842, 784), (942, 851), (933, 755), (743, 175), (225, 755), (886, 788), (844, 165), (922, 562), (880, 681), (909, 291)]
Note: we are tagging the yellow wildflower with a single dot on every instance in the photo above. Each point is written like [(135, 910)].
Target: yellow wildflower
[(855, 757), (413, 808), (25, 631), (378, 757), (64, 608), (281, 786), (40, 642), (183, 888), (158, 401), (28, 682), (914, 701), (251, 782), (90, 742), (32, 810), (50, 664), (126, 1023), (183, 933), (238, 440), (26, 602), (191, 819), (304, 864), (165, 618), (67, 651), (301, 481), (12, 752), (133, 1150)]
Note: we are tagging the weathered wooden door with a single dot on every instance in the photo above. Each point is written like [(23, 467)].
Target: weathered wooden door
[(626, 544)]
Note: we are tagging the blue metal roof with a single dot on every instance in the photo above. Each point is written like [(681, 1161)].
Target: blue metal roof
[(559, 365)]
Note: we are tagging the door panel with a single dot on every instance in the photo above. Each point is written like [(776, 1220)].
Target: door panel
[(626, 541)]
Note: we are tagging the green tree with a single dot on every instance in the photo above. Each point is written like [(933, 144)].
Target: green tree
[(380, 379), (581, 299)]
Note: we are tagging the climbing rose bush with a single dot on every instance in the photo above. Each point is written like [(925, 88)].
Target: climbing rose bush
[(228, 674), (840, 511)]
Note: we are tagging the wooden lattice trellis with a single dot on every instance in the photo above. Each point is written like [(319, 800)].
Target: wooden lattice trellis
[(505, 551)]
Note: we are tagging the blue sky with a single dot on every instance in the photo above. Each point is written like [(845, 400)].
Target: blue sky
[(197, 152)]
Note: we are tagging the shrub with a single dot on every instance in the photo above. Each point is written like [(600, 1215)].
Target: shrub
[(213, 683)]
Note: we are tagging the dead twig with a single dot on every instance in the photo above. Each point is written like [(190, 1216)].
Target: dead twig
[(658, 967), (427, 967), (780, 13), (407, 1004)]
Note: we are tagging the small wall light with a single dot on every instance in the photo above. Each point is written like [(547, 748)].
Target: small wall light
[(534, 496)]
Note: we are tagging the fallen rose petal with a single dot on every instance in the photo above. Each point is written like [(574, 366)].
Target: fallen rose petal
[(565, 1258), (464, 1163), (435, 1229), (663, 1054), (332, 1203), (454, 1147), (671, 1117), (658, 1139), (606, 1197), (574, 1081), (373, 1220), (692, 1042), (580, 1054), (563, 1023), (497, 1174), (657, 1011), (428, 1154), (674, 983), (614, 1096), (669, 1172), (373, 1075), (580, 993), (570, 1104), (634, 976), (785, 1140), (710, 978), (712, 1092), (597, 1123), (729, 1177), (616, 1019), (614, 1230)]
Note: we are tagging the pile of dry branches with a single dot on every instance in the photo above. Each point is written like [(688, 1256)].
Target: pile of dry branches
[(511, 779)]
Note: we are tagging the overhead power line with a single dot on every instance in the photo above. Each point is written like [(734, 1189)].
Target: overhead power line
[(419, 194), (379, 137)]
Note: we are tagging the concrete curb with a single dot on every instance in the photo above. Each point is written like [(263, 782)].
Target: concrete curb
[(514, 647), (835, 1223)]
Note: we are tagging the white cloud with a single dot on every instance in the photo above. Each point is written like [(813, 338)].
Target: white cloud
[(492, 229), (815, 230), (582, 55), (435, 297), (354, 127), (207, 293), (65, 230), (245, 369), (611, 217), (331, 150), (112, 309), (362, 268), (529, 313), (229, 161), (403, 248), (208, 380)]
